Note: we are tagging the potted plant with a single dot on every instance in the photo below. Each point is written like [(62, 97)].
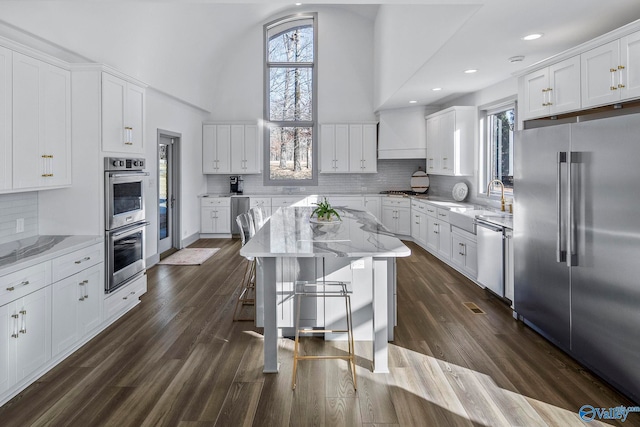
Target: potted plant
[(324, 211)]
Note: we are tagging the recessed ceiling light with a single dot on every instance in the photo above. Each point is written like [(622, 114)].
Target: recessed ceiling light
[(470, 71), (435, 89), (413, 102), (298, 4), (533, 36)]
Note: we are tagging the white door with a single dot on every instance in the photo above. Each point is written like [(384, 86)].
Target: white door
[(599, 68), (564, 79), (369, 148), (630, 74), (252, 149), (57, 126), (327, 148), (535, 95), (355, 148), (433, 152), (66, 297), (237, 149), (34, 342), (114, 93), (342, 149), (90, 310)]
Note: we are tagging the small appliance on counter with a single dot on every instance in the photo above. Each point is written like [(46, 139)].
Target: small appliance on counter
[(236, 184)]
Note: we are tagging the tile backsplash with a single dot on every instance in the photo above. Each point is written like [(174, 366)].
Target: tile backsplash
[(14, 207), (391, 175)]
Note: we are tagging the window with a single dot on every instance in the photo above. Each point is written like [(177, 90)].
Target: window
[(290, 101), (498, 150)]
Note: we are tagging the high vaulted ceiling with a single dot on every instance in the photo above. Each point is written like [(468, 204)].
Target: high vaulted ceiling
[(176, 45)]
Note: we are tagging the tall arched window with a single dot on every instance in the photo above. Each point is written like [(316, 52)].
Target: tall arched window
[(290, 101)]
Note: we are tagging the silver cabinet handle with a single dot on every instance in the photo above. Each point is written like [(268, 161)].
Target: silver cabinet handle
[(87, 258), (15, 326), (24, 321)]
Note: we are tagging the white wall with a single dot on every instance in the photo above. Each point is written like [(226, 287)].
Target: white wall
[(345, 72), (168, 114)]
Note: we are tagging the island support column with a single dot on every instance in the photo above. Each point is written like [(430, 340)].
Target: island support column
[(268, 278), (380, 316)]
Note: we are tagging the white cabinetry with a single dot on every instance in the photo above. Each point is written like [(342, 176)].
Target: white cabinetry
[(348, 148), (334, 148), (402, 134), (231, 148), (419, 222), (464, 252), (123, 299), (216, 149), (372, 204), (215, 215), (6, 100), (245, 149), (123, 112), (451, 141), (611, 72), (396, 215), (552, 90), (261, 202), (41, 124), (362, 148), (78, 292), (438, 237)]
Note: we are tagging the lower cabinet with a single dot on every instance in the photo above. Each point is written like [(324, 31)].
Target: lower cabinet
[(396, 215), (124, 298), (215, 215), (77, 307), (464, 254), (439, 237), (25, 338), (509, 278)]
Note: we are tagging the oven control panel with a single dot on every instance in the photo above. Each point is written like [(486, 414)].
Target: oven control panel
[(123, 164)]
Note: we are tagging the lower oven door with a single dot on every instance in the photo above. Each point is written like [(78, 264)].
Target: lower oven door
[(125, 255)]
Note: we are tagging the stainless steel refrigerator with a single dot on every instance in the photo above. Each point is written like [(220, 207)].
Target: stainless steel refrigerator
[(577, 241)]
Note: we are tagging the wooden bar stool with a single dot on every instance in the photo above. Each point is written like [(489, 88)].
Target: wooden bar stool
[(324, 290)]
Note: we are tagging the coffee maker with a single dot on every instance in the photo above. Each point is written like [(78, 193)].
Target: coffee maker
[(236, 184)]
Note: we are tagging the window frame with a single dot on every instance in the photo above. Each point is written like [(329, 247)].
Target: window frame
[(289, 21), (485, 155)]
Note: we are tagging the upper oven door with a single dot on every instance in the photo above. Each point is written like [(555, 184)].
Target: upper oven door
[(124, 194)]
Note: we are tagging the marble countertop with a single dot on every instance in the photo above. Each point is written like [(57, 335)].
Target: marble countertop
[(30, 251), (289, 233)]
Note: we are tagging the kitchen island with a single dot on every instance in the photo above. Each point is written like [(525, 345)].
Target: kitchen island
[(292, 247)]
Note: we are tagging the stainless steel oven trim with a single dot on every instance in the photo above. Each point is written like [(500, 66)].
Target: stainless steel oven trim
[(115, 279), (115, 221)]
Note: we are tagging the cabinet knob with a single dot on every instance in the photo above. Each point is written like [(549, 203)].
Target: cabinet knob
[(11, 289)]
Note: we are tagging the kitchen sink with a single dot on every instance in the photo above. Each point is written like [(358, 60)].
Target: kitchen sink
[(464, 218)]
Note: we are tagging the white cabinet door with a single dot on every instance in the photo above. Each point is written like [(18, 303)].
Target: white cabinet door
[(433, 146), (34, 341), (41, 124), (599, 69), (355, 148), (223, 220), (535, 92), (444, 240), (327, 148), (448, 134), (7, 346), (207, 220), (90, 313), (389, 218), (237, 149), (629, 74), (216, 149), (341, 150), (66, 295), (123, 111), (6, 100), (372, 204), (432, 235), (369, 148), (563, 93), (252, 149), (403, 221)]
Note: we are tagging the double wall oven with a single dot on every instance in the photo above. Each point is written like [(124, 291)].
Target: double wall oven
[(124, 180)]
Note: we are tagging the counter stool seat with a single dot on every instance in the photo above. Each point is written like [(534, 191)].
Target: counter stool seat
[(324, 289)]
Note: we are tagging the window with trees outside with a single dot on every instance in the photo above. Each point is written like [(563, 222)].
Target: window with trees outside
[(499, 147), (290, 101)]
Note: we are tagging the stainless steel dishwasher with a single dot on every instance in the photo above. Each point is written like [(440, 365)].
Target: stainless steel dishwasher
[(490, 240), (239, 205)]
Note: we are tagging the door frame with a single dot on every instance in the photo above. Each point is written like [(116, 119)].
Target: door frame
[(176, 241)]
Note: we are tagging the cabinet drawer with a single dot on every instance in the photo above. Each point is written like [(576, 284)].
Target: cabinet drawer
[(207, 202), (264, 202), (20, 283), (79, 260), (396, 202), (431, 210), (281, 202), (443, 214), (125, 297)]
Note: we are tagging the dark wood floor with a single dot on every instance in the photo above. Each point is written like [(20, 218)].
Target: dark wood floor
[(177, 359)]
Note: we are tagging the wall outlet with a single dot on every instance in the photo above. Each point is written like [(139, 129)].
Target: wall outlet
[(19, 225)]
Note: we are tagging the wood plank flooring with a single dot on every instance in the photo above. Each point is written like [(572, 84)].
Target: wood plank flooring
[(177, 359)]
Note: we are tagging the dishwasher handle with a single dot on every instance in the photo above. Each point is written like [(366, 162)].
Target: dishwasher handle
[(485, 224)]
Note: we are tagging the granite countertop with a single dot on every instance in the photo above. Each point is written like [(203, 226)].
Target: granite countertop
[(290, 233), (30, 251)]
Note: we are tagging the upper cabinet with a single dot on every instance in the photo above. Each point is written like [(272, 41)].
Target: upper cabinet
[(6, 165), (123, 112), (611, 73), (245, 149), (450, 141), (552, 90), (231, 149), (41, 124), (348, 148)]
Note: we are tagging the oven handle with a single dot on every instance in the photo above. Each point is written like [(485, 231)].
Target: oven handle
[(131, 228), (128, 174)]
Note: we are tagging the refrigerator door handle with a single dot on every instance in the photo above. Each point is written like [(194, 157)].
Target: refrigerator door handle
[(571, 229), (561, 254)]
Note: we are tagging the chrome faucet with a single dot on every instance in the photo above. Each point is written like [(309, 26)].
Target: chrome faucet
[(502, 201)]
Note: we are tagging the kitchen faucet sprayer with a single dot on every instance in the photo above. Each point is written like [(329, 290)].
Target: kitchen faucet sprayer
[(502, 201)]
